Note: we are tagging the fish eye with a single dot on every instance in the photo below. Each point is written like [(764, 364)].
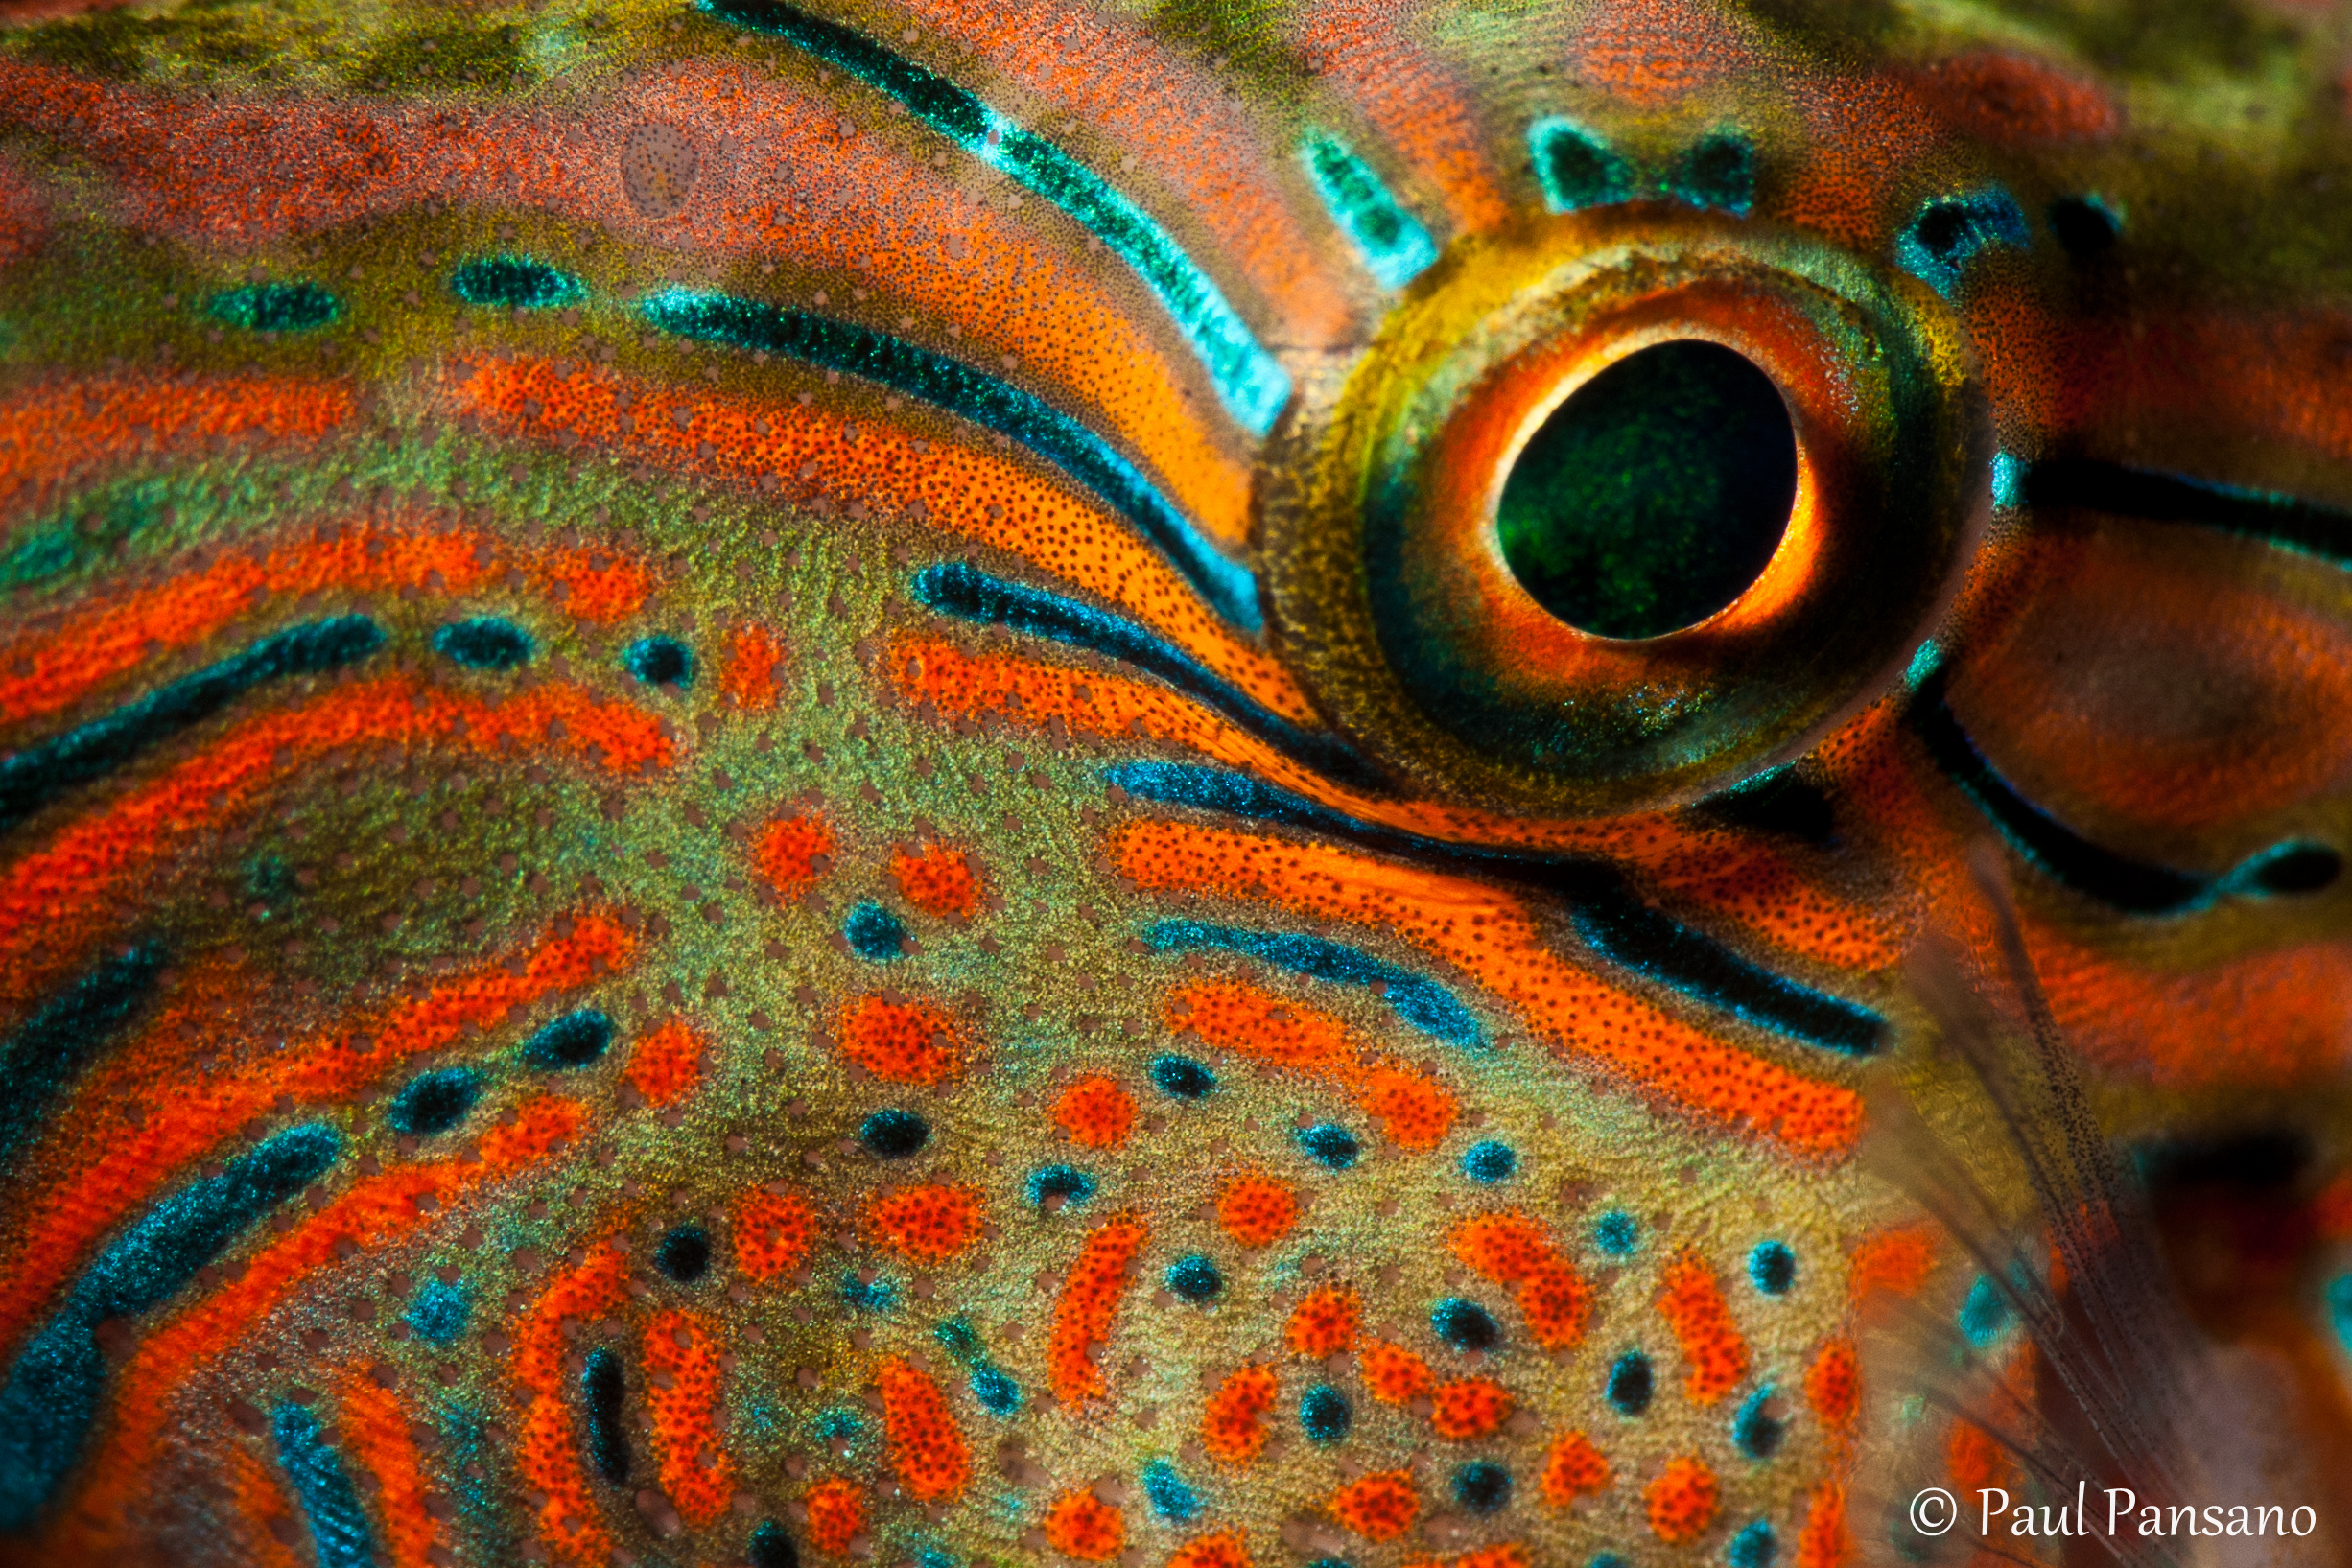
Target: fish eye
[(1627, 508)]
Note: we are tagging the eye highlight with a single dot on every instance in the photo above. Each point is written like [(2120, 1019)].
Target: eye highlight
[(1654, 494)]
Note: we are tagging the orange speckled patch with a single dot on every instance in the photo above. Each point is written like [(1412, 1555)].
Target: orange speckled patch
[(1469, 1407), (1394, 1375), (1232, 1427), (1379, 1506), (1326, 1322), (1095, 1112), (1515, 1250), (1823, 1542), (927, 1449), (1573, 1468), (1833, 1384), (747, 673), (793, 852), (1415, 1109), (902, 1043), (1691, 1299), (1682, 1501), (1257, 1209), (928, 1224), (773, 1232), (47, 430), (1083, 1526), (681, 1360), (836, 1514), (1090, 1300), (938, 880), (1895, 1261), (1223, 1550), (666, 1065)]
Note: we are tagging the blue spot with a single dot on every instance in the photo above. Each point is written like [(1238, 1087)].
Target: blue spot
[(995, 1390), (1194, 1278), (933, 1556), (1250, 381), (572, 1040), (1984, 1312), (2007, 480), (1608, 1559), (660, 661), (1330, 1145), (992, 405), (602, 1393), (1951, 231), (486, 643), (894, 1134), (1756, 1431), (1416, 1000), (1718, 171), (441, 1312), (771, 1547), (1616, 1233), (1754, 1547), (961, 1339), (1631, 1383), (1325, 1413), (1575, 167), (1396, 248), (41, 773), (53, 1390), (1772, 1268), (1171, 1499), (874, 932), (514, 283), (1182, 1078), (1072, 1185), (2340, 1307), (1482, 1487), (329, 1503), (1466, 1326), (435, 1102), (876, 1295), (51, 1049), (1489, 1162), (275, 307), (684, 1254)]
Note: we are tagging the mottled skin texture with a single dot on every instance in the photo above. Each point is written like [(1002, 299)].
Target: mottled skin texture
[(639, 763)]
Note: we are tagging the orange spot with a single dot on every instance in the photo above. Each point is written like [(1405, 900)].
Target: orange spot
[(1833, 1384), (1822, 1542), (928, 1224), (1379, 1506), (1682, 1501), (667, 1064), (1095, 1112), (1469, 1407), (938, 880), (1691, 1298), (927, 1450), (1232, 1429), (1083, 1526), (773, 1231), (50, 428), (1573, 1469), (375, 1429), (1415, 1109), (1394, 1375), (1326, 1322), (1895, 1261), (1505, 1554), (1514, 1249), (902, 1043), (747, 674), (2014, 100), (793, 851), (1088, 1303), (1257, 1209), (1223, 1550), (1492, 935), (682, 1397), (836, 1515), (2332, 1210)]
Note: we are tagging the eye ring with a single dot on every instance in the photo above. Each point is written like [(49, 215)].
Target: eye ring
[(1388, 581)]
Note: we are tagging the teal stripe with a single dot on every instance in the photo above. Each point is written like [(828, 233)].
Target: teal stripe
[(1396, 248), (1252, 383), (330, 1503)]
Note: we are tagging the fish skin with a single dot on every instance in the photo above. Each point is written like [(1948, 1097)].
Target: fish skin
[(739, 665)]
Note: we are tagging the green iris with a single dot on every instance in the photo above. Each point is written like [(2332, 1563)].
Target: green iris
[(1654, 494)]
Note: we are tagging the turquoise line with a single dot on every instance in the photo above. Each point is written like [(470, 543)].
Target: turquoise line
[(1395, 247), (1252, 383)]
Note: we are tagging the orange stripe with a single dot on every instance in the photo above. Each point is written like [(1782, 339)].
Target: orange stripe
[(52, 898), (1415, 101), (1089, 1305), (547, 1451), (697, 1474), (1005, 502), (52, 668), (1233, 1425), (49, 429), (927, 1450), (375, 1212), (255, 1498), (377, 1429), (1691, 1298), (1492, 937), (1512, 1249), (107, 1157), (1413, 1108)]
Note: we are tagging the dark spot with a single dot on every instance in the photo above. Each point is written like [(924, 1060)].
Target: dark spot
[(660, 661), (572, 1040), (1330, 1145), (2261, 1161), (1325, 1413), (2085, 227), (1773, 1266), (1629, 1383), (604, 1393), (1575, 169), (485, 644), (894, 1134), (513, 283), (2299, 868), (275, 307), (684, 1254), (773, 1547), (874, 932), (1779, 800), (1466, 1326), (1482, 1487), (1072, 1185), (1182, 1077), (435, 1102), (1756, 1428), (1194, 1278), (1719, 170), (1654, 494)]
